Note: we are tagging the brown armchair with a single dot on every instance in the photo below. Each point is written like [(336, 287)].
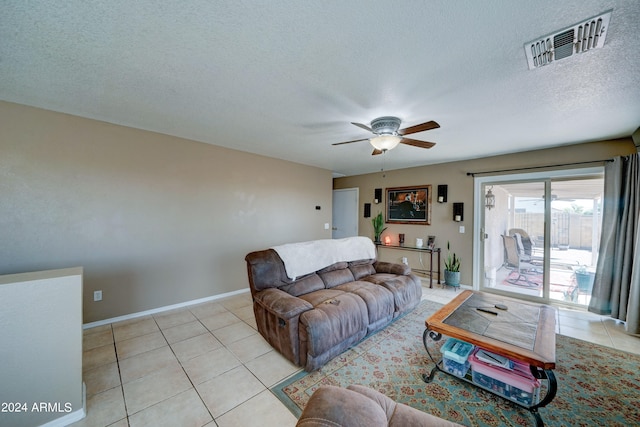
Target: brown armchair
[(359, 406)]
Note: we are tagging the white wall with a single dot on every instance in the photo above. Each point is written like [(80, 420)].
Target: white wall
[(41, 347)]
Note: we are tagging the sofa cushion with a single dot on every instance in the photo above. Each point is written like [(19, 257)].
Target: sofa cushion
[(336, 317), (336, 277), (304, 285), (333, 267), (406, 290), (391, 268), (379, 301), (321, 296), (360, 270)]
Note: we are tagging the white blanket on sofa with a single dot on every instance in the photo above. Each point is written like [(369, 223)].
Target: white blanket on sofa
[(306, 257)]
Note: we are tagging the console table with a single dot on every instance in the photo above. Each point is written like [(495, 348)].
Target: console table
[(421, 250)]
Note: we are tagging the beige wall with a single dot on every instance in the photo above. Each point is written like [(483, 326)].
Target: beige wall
[(460, 189), (153, 219)]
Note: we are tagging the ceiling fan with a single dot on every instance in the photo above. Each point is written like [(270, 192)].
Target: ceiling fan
[(389, 135)]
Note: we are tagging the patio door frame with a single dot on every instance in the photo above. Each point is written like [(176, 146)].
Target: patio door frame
[(547, 177)]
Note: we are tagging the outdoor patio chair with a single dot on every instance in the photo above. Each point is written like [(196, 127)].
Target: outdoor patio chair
[(526, 245), (518, 261)]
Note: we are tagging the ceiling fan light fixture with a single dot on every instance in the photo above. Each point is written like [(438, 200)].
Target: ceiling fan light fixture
[(385, 142)]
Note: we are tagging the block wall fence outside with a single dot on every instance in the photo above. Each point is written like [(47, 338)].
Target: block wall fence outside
[(41, 351)]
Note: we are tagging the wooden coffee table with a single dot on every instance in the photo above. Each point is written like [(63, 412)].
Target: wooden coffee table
[(518, 330)]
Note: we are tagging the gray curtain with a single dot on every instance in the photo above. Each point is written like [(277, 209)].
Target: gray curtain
[(616, 289)]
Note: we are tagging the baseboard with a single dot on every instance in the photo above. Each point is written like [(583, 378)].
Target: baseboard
[(161, 309), (72, 417)]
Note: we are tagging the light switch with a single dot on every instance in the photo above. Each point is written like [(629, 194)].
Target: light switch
[(326, 225), (462, 229)]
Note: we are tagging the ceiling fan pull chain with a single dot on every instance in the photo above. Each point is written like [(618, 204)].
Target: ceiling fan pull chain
[(382, 170)]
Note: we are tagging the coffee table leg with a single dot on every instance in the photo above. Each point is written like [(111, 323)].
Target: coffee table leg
[(551, 391), (435, 336), (553, 385)]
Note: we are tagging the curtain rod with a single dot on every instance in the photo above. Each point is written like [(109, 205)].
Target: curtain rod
[(539, 167)]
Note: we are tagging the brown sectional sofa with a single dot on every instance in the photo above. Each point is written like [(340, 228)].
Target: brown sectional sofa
[(313, 318)]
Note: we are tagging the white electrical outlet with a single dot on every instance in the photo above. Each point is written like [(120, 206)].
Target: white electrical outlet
[(97, 295)]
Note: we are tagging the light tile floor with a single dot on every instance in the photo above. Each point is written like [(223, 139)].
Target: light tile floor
[(207, 365)]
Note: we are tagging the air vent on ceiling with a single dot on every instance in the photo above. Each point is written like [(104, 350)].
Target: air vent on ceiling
[(587, 35)]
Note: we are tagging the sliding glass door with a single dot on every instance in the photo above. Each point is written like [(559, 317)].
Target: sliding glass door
[(515, 238), (539, 235)]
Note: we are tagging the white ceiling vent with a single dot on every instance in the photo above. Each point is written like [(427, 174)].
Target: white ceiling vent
[(588, 34)]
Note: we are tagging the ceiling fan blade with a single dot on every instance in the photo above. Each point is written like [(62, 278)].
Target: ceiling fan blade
[(419, 128), (365, 127), (349, 142), (376, 152), (416, 143)]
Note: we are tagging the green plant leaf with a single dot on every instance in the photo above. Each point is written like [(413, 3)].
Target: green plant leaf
[(452, 262)]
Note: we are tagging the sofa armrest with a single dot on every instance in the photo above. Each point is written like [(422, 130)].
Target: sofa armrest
[(392, 268), (399, 414), (362, 406), (281, 304)]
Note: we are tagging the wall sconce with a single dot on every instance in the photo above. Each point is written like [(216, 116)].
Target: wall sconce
[(442, 193), (377, 195), (489, 199), (458, 212), (367, 210)]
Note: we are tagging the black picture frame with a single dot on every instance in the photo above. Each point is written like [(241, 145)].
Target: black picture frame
[(409, 205)]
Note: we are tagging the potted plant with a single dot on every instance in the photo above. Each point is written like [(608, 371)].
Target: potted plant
[(378, 226), (584, 279), (451, 269)]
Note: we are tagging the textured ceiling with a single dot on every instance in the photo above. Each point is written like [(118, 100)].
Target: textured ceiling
[(286, 78)]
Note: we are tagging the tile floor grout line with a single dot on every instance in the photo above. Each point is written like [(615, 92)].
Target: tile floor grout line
[(233, 354), (124, 400), (187, 375), (144, 352)]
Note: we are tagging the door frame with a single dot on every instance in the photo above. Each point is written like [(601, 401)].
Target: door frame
[(479, 209)]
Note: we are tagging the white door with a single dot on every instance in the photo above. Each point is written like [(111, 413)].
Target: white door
[(345, 213)]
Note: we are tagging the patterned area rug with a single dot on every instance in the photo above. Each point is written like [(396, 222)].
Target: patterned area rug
[(596, 385)]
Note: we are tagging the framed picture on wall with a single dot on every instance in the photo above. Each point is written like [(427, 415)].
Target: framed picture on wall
[(409, 205)]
